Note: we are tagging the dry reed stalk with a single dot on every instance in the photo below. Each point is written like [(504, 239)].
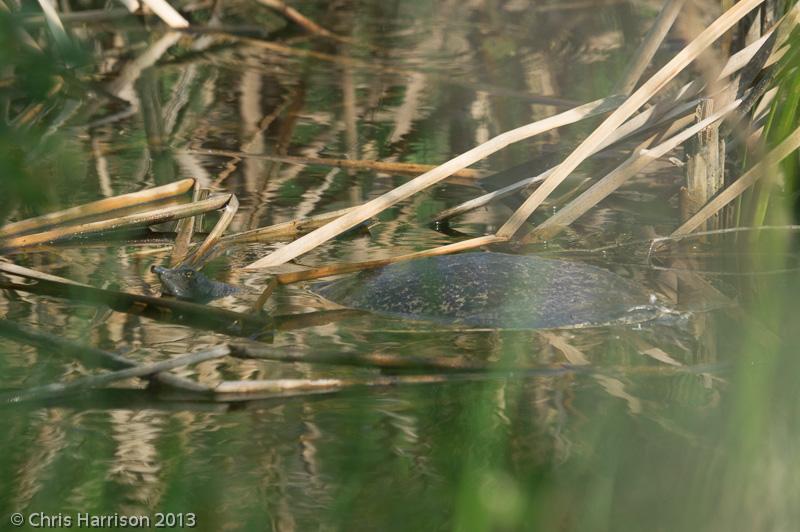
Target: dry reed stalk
[(364, 360), (227, 390), (608, 184), (480, 201), (780, 152), (354, 164), (264, 296), (653, 85), (368, 210), (54, 23), (95, 381), (165, 214), (669, 12), (741, 58), (783, 29), (185, 232), (202, 195), (303, 21), (27, 273), (642, 123), (196, 257), (715, 232), (337, 269), (88, 355), (630, 106), (97, 208), (248, 390), (132, 5), (167, 13), (304, 320), (283, 229), (157, 308), (705, 161)]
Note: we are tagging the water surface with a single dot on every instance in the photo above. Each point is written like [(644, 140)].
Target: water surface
[(682, 425)]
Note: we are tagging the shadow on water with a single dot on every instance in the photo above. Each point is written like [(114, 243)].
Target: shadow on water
[(640, 442)]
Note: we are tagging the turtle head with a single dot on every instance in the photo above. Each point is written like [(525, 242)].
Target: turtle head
[(179, 282), (187, 283)]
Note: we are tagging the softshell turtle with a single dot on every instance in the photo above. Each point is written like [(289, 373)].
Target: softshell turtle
[(494, 290)]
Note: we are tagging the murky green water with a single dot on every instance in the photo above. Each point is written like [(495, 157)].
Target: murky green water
[(689, 424)]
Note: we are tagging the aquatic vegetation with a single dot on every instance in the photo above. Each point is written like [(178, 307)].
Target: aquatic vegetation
[(252, 146)]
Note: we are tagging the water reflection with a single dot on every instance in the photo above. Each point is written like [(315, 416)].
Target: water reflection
[(644, 443)]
